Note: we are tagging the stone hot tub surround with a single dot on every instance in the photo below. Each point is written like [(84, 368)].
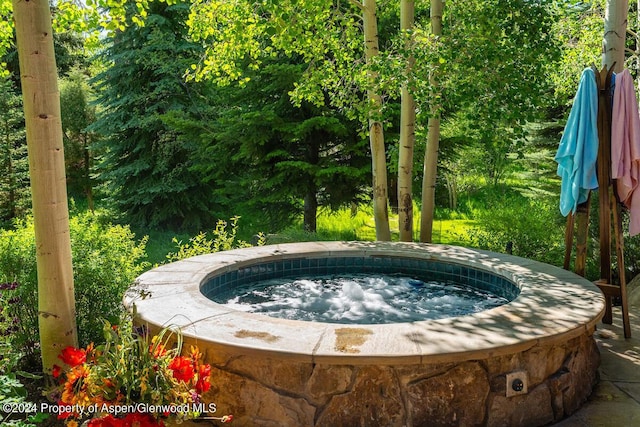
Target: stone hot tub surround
[(529, 362)]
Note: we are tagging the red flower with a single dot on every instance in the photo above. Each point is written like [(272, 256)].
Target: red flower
[(106, 421), (182, 368), (73, 356), (62, 413), (226, 419), (56, 371), (135, 419), (203, 384)]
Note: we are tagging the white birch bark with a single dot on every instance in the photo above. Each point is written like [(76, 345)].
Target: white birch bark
[(38, 72), (615, 31), (376, 134), (407, 137), (433, 142)]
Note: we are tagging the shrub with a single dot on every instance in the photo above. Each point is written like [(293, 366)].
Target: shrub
[(533, 228), (18, 296), (106, 260), (13, 393), (224, 238)]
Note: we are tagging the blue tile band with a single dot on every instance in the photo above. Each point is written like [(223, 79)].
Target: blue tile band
[(421, 269)]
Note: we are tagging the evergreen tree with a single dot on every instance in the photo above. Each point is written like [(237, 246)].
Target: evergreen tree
[(145, 164), (77, 116), (14, 181), (276, 161)]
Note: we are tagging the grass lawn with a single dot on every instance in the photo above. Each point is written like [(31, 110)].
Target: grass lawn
[(452, 231), (332, 226)]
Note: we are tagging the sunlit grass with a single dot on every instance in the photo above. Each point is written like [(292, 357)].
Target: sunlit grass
[(337, 224), (343, 224), (353, 224)]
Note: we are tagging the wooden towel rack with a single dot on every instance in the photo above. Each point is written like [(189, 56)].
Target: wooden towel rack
[(609, 215)]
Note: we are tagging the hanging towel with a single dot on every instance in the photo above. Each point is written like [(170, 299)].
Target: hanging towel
[(625, 147), (578, 150)]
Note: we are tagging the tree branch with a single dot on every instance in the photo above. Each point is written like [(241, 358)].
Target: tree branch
[(357, 4)]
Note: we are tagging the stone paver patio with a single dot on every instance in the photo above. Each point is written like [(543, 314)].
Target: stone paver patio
[(615, 401)]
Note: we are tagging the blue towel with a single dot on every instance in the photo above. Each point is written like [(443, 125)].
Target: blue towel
[(578, 150)]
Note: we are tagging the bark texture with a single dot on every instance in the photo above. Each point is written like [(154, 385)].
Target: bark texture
[(407, 137), (56, 303), (376, 133), (615, 31), (433, 142)]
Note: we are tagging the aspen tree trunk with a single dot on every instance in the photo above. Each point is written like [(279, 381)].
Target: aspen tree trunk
[(376, 134), (56, 302), (615, 32), (433, 141), (407, 137)]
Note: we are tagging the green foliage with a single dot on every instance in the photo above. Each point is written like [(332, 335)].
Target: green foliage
[(632, 249), (146, 164), (77, 116), (18, 265), (340, 224), (534, 227), (324, 34), (13, 392), (579, 32), (14, 181), (496, 58), (270, 160), (6, 32), (106, 260), (346, 223), (223, 238)]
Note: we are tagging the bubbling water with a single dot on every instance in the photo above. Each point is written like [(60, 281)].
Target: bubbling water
[(359, 298)]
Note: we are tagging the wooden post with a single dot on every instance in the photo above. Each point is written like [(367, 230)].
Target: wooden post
[(608, 209), (612, 60), (568, 241), (620, 257), (582, 235), (604, 171)]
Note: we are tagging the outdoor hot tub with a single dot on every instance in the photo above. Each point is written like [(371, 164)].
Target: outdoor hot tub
[(529, 362)]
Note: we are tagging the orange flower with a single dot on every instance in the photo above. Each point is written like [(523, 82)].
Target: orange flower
[(203, 384), (75, 388), (157, 350), (73, 356), (182, 368), (195, 354)]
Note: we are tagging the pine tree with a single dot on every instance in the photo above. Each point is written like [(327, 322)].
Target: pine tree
[(77, 116), (145, 163), (273, 160), (14, 181)]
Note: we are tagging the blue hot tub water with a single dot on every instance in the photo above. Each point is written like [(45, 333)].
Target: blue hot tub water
[(360, 290)]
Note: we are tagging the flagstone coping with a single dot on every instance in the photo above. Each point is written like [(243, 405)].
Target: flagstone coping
[(553, 306)]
